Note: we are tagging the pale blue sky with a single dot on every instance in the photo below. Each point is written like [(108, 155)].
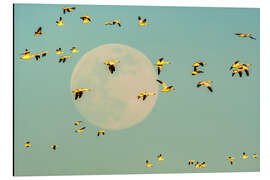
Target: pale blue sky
[(188, 124)]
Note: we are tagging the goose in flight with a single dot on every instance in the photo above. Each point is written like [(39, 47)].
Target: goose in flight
[(79, 92), (101, 132), (190, 162), (113, 23), (160, 62), (111, 65), (78, 123), (39, 32), (54, 146), (26, 55), (27, 144), (85, 19), (160, 157), (245, 35), (68, 9), (64, 58), (59, 51), (244, 155), (148, 164), (203, 165), (206, 84), (198, 64), (165, 87), (142, 22), (197, 165), (60, 22), (42, 54), (231, 160), (255, 156), (144, 95), (81, 130), (74, 50)]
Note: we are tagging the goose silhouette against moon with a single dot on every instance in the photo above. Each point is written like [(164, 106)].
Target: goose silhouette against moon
[(112, 102)]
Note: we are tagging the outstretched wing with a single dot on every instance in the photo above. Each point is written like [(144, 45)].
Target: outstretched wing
[(201, 63), (76, 95), (240, 73), (80, 94), (159, 69), (144, 97), (37, 56), (111, 68), (210, 88), (39, 30), (164, 85)]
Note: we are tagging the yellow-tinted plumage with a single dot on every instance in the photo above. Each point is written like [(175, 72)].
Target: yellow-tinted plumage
[(63, 59), (198, 64), (60, 22), (80, 130), (160, 62), (27, 144), (39, 32), (245, 35), (100, 132), (203, 165), (244, 155), (142, 22), (59, 51), (190, 162), (113, 23), (165, 87), (68, 9), (79, 92), (78, 123), (42, 54), (160, 157), (144, 95), (206, 84), (231, 160), (54, 146), (236, 64), (26, 55), (237, 71), (111, 65), (148, 164), (74, 50), (196, 72), (85, 19), (197, 165), (255, 156)]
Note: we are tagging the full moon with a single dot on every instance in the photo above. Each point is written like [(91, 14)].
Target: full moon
[(112, 101)]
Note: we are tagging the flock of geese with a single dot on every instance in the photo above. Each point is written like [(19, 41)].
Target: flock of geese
[(237, 68)]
